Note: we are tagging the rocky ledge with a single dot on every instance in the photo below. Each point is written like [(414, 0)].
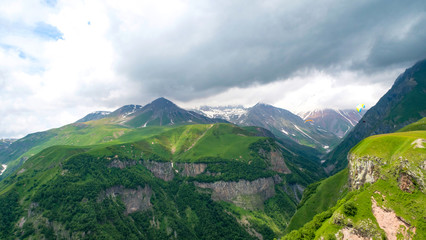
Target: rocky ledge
[(246, 194), (134, 199)]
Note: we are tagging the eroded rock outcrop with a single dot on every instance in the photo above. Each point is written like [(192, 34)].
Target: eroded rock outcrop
[(168, 170), (190, 169), (245, 194), (116, 163), (163, 170), (134, 199), (363, 170), (276, 160)]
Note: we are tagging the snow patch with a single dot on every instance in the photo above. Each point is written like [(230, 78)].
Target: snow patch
[(300, 130), (284, 131), (339, 112), (326, 147), (4, 169), (223, 112), (322, 130), (103, 113)]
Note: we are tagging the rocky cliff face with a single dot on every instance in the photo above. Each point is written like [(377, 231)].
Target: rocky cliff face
[(277, 163), (368, 169), (116, 163), (190, 169), (161, 170), (134, 199), (167, 170), (245, 194), (363, 170)]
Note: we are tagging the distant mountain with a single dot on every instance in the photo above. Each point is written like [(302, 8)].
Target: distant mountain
[(100, 127), (162, 112), (339, 122), (282, 123), (94, 116), (229, 113), (403, 104), (5, 143)]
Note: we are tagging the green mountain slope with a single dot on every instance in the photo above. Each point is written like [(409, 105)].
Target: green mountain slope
[(77, 134), (417, 126), (319, 197), (386, 201), (403, 104), (214, 181), (102, 128)]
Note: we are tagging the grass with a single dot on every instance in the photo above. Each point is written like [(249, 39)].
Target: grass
[(393, 145), (223, 141), (67, 179), (325, 196), (417, 126), (398, 156)]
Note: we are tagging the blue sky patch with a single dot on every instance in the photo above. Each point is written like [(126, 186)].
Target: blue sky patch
[(47, 31), (51, 3)]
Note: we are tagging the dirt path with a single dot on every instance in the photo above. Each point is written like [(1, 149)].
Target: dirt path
[(202, 135)]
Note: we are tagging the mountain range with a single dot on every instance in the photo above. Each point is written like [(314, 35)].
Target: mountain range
[(322, 131), (162, 172)]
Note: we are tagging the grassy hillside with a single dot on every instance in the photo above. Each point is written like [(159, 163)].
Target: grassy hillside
[(133, 188), (386, 174), (319, 197), (77, 134), (417, 126)]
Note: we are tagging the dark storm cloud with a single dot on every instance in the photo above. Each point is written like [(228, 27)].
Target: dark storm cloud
[(218, 44)]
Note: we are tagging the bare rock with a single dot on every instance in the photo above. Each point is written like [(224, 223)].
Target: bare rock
[(190, 169), (116, 163), (363, 170), (245, 194), (163, 170), (134, 199), (405, 183), (276, 160)]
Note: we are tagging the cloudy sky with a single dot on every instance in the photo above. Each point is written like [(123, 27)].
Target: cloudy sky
[(60, 60)]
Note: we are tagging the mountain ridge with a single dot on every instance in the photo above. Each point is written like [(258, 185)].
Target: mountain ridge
[(400, 106)]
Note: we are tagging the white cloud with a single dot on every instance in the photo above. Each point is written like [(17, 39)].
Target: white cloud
[(202, 52), (308, 90)]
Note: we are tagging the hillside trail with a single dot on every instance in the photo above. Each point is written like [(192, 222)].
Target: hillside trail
[(173, 150), (201, 136)]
